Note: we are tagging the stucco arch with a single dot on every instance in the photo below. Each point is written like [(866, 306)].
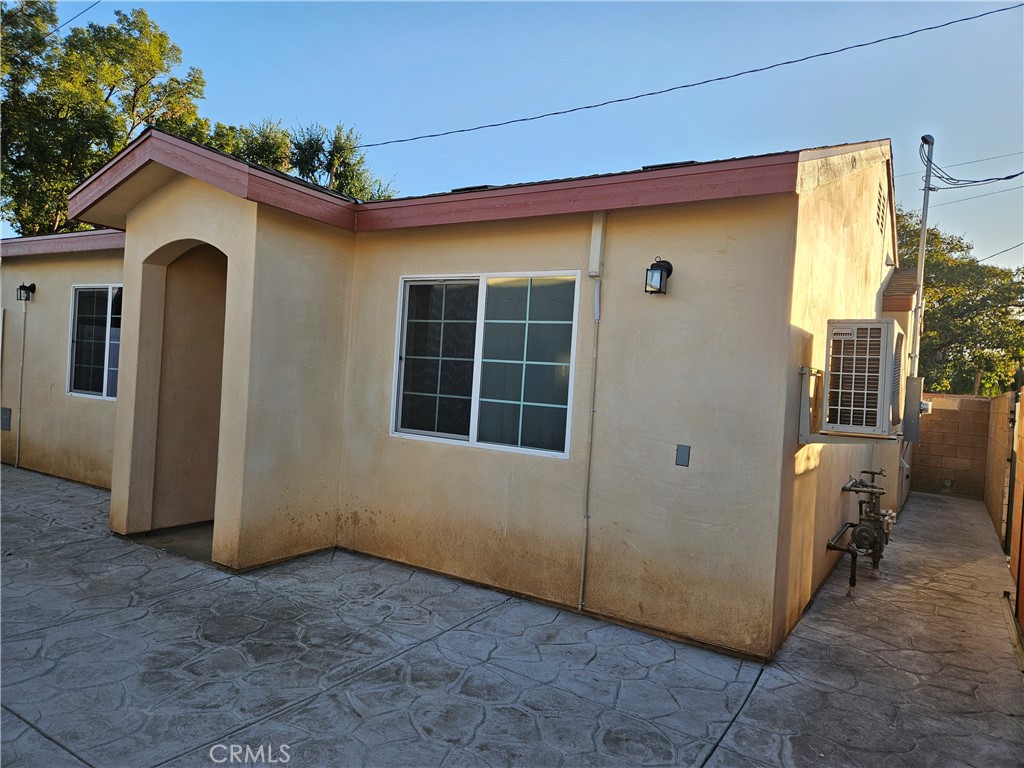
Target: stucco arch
[(176, 389), (165, 254), (189, 254)]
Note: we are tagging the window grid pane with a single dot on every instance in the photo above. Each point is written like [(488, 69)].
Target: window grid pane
[(437, 378), (523, 361), (95, 341), (93, 309), (532, 353)]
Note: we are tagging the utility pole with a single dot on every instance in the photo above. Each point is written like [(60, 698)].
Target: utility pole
[(915, 353)]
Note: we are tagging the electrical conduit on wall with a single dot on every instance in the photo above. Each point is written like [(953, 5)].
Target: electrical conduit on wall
[(594, 271), (21, 382)]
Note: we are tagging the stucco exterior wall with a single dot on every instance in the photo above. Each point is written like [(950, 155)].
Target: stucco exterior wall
[(171, 221), (839, 272), (61, 434), (896, 459), (679, 548), (686, 548), (484, 514), (296, 388), (266, 402), (185, 484)]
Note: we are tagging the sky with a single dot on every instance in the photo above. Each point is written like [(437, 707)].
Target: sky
[(394, 70)]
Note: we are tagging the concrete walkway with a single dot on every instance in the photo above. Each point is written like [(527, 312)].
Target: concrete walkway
[(118, 654)]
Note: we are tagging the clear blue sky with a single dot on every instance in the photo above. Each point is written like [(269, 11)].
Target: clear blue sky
[(393, 70)]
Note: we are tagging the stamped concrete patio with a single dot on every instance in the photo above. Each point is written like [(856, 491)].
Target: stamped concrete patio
[(119, 654)]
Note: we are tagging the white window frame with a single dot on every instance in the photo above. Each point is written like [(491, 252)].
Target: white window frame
[(482, 278), (106, 346)]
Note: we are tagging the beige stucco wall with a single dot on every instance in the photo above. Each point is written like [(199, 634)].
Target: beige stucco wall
[(279, 440), (170, 222), (839, 273), (488, 515), (679, 548), (689, 549), (188, 422), (896, 459), (727, 550), (62, 434), (296, 390)]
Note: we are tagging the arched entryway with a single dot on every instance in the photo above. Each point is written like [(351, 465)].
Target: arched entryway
[(189, 397)]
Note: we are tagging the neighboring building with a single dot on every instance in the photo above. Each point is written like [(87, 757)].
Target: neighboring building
[(423, 379)]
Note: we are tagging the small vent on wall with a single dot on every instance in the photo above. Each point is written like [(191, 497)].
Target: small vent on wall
[(883, 201)]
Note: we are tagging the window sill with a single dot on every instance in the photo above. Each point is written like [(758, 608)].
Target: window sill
[(485, 446)]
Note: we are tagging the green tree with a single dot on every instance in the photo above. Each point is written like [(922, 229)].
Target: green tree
[(265, 143), (332, 159), (973, 337), (71, 103)]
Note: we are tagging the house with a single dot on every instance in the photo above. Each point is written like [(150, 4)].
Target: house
[(474, 382)]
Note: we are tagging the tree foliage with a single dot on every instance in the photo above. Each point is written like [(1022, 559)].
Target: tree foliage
[(71, 103), (973, 337), (332, 159)]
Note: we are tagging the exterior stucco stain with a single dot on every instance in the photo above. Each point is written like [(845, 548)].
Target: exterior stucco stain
[(281, 534), (683, 603), (59, 464), (524, 562)]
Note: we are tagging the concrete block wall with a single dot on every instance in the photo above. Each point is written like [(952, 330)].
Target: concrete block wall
[(953, 452), (997, 467), (1016, 537)]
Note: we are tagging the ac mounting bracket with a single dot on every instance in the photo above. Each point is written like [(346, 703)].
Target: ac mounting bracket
[(810, 416)]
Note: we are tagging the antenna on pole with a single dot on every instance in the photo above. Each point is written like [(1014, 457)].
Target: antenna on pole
[(915, 353)]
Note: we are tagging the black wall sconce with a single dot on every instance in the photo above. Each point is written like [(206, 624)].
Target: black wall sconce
[(25, 291), (657, 276)]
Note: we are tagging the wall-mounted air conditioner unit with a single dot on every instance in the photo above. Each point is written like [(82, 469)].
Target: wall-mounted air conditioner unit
[(863, 377)]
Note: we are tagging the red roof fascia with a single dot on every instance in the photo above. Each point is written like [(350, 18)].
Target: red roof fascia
[(717, 180), (68, 242), (706, 181), (897, 303), (233, 176)]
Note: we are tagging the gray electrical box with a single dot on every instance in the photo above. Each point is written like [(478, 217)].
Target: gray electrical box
[(682, 455), (5, 419), (912, 409)]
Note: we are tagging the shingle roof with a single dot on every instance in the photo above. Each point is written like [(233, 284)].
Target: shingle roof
[(902, 283), (901, 290)]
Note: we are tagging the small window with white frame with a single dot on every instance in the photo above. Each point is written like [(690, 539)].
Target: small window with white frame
[(95, 340), (488, 360)]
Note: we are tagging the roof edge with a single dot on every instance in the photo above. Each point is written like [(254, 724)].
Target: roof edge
[(63, 242), (218, 169), (772, 173)]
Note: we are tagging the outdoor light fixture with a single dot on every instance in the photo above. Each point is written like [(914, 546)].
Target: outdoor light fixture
[(25, 291), (657, 276)]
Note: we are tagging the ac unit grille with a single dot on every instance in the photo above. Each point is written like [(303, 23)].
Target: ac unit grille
[(897, 382), (854, 367), (863, 381)]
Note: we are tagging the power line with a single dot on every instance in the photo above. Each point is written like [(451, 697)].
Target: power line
[(975, 197), (954, 183), (968, 162), (1000, 253), (59, 27), (687, 85)]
